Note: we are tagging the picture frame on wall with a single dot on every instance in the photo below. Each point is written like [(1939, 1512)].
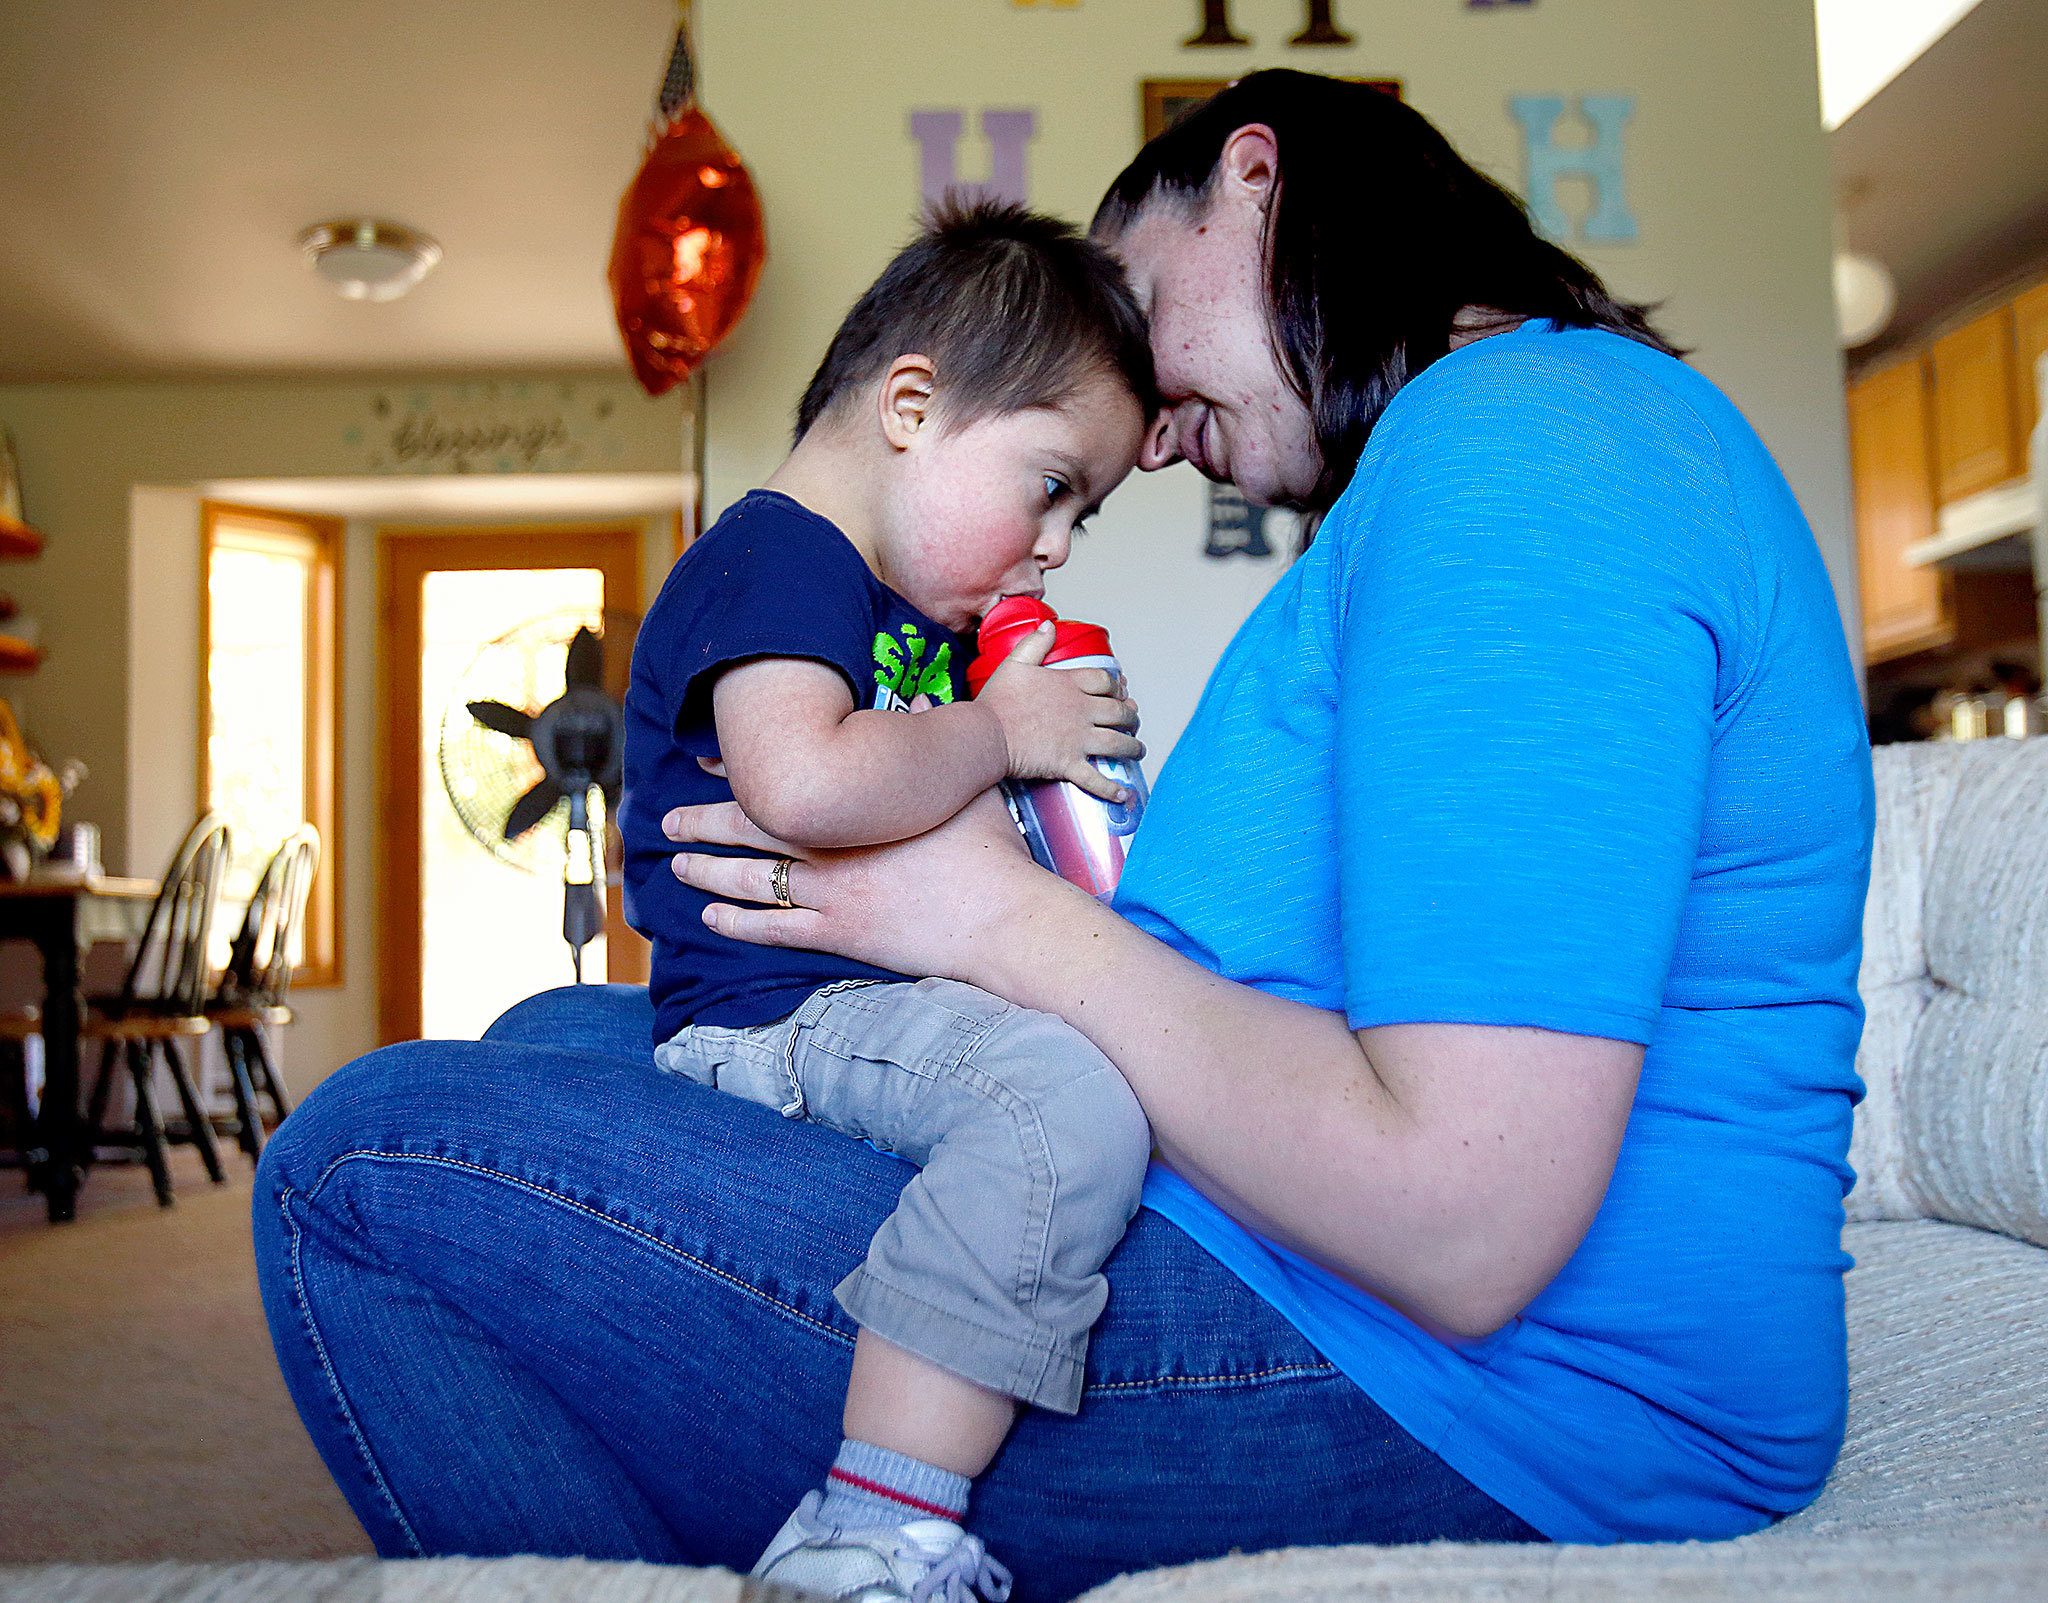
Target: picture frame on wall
[(1162, 102)]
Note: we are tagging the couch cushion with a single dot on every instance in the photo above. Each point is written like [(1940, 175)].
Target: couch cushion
[(1955, 984), (365, 1580), (1986, 920), (1976, 1079), (1975, 1114), (1851, 1570), (1915, 786), (1877, 1148), (1854, 1570), (1948, 1388)]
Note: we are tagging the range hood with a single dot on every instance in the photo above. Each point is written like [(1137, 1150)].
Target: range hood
[(1967, 526)]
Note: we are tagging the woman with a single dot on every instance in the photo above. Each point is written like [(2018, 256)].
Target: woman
[(1486, 966)]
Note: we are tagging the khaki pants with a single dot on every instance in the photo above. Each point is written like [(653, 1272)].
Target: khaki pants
[(1032, 1149)]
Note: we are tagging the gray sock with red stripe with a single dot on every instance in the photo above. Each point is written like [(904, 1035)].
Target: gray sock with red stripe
[(870, 1485)]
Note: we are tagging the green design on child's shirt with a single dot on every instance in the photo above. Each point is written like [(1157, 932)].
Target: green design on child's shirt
[(903, 674)]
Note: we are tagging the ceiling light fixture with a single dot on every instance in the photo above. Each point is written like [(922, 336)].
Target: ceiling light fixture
[(1865, 298), (363, 259)]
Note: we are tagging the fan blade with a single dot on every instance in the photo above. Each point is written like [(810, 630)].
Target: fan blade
[(531, 808), (586, 660), (506, 720)]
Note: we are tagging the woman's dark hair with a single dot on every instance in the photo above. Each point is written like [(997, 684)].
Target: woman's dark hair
[(1014, 308), (1378, 235)]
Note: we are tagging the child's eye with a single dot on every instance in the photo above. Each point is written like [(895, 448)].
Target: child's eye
[(1055, 487)]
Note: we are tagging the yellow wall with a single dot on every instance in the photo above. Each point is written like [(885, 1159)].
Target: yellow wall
[(1727, 177)]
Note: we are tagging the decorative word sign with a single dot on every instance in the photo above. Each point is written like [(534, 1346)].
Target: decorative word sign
[(495, 426), (1319, 27), (1600, 164), (1009, 133), (427, 442)]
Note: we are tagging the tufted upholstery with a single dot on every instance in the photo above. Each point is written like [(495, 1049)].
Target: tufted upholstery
[(1955, 978)]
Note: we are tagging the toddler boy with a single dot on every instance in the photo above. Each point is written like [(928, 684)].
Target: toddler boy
[(974, 408)]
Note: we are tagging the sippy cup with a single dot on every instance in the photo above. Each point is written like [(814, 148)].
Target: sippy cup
[(1080, 837)]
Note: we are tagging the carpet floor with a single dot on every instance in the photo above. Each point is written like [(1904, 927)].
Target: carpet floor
[(141, 1412)]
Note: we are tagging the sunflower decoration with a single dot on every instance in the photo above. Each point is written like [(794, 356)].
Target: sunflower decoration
[(31, 797)]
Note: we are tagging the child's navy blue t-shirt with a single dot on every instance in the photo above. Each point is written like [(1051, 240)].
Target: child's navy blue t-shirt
[(770, 579)]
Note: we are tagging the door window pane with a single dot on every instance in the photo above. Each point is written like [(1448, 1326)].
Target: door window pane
[(491, 932)]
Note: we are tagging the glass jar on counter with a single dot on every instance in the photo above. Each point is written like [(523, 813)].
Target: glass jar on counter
[(1982, 715)]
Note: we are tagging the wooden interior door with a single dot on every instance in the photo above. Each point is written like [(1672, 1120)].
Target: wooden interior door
[(405, 558)]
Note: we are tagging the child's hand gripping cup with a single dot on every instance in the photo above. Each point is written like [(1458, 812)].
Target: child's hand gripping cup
[(1080, 837)]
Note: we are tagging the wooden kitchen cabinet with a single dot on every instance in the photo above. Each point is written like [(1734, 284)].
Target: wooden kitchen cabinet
[(1942, 425), (1976, 432), (2030, 341), (1893, 481), (1905, 608)]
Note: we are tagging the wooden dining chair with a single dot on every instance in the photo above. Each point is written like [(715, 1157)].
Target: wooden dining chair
[(162, 1002), (253, 990), (20, 1019), (16, 1026)]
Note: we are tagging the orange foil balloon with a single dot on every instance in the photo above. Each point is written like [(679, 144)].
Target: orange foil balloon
[(689, 245)]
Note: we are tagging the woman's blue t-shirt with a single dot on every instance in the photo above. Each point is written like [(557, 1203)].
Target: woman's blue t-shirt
[(1554, 725)]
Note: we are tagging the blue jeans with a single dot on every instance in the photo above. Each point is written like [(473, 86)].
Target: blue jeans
[(531, 1295)]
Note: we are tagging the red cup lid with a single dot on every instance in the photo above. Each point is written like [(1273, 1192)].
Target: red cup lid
[(1014, 617)]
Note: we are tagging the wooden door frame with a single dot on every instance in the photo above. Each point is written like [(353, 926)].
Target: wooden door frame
[(405, 556)]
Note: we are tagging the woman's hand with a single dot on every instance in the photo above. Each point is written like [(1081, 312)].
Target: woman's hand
[(921, 906)]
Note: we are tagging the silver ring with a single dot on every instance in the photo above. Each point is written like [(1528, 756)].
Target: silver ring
[(778, 881)]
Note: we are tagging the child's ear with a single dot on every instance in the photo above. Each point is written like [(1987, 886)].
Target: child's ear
[(907, 400)]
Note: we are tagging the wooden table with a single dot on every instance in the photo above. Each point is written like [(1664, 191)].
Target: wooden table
[(62, 912)]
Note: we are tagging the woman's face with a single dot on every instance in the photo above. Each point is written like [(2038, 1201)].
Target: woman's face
[(1200, 276)]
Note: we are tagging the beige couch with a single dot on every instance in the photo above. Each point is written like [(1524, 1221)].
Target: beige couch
[(1942, 1488)]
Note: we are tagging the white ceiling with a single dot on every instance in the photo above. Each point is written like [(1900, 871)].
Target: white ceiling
[(1864, 44), (1943, 175), (157, 162)]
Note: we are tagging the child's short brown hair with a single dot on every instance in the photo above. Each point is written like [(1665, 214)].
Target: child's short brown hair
[(1015, 310)]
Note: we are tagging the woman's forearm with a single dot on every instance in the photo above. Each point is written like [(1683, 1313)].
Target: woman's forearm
[(1450, 1170)]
